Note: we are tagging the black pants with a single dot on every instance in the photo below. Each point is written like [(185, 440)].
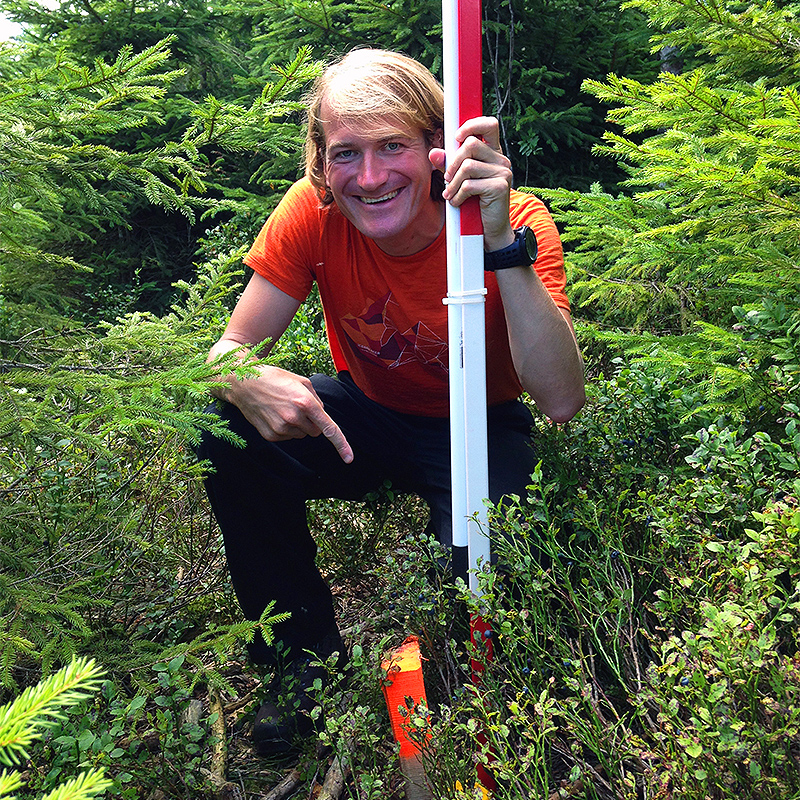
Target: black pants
[(258, 494)]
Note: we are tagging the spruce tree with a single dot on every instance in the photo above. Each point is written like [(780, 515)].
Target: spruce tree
[(61, 182), (704, 243), (97, 423), (140, 251)]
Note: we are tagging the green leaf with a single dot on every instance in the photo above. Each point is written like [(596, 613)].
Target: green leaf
[(136, 703), (176, 664)]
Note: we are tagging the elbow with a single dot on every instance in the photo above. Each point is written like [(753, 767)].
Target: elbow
[(569, 406), (561, 406), (559, 391)]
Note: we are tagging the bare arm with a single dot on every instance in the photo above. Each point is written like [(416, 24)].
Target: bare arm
[(278, 403), (543, 344), (542, 339)]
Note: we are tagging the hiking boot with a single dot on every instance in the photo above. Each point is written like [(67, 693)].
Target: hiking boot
[(286, 716)]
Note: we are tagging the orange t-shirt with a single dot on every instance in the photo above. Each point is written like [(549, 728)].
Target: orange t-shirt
[(384, 315)]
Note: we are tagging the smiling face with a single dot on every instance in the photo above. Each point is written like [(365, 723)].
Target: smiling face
[(380, 179)]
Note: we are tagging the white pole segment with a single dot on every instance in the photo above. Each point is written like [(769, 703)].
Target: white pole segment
[(461, 20)]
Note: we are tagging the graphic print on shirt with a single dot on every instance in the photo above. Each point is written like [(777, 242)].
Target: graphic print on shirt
[(382, 335)]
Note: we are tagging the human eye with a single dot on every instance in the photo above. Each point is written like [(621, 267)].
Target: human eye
[(345, 154), (393, 147)]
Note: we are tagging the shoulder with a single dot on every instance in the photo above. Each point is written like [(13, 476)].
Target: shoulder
[(288, 245), (526, 204), (301, 196), (300, 218), (302, 205), (527, 209)]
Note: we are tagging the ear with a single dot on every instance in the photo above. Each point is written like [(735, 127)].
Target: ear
[(437, 140)]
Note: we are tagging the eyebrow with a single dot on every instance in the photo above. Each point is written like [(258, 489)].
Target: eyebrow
[(339, 145)]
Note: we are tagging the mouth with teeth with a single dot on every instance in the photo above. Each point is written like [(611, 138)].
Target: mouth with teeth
[(373, 200)]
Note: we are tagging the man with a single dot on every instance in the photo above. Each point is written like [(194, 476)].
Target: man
[(367, 224)]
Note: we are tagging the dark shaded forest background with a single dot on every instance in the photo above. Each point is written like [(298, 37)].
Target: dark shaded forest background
[(648, 638)]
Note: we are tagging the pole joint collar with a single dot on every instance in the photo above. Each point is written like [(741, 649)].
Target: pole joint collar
[(462, 298)]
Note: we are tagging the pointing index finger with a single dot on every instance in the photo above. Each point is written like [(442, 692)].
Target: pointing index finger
[(333, 433)]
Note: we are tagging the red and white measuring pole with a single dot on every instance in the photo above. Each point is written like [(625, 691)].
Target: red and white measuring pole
[(466, 296), (466, 302)]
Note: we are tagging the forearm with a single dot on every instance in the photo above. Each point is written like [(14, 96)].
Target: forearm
[(226, 383), (543, 345)]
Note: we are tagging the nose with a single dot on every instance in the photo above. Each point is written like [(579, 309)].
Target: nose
[(371, 173)]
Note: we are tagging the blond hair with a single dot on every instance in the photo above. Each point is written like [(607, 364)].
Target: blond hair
[(377, 88)]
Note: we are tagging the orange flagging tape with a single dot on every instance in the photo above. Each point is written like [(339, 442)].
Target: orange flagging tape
[(403, 670)]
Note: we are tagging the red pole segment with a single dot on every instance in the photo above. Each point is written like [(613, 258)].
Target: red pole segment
[(470, 92)]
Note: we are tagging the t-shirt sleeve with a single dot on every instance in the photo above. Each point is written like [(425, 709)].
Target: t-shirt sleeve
[(527, 209), (286, 249)]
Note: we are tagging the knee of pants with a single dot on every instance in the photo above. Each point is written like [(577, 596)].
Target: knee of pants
[(215, 448)]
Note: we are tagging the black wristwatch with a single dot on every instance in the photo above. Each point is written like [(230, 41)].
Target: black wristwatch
[(522, 253)]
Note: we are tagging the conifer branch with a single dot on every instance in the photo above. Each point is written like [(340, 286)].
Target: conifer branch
[(38, 707), (88, 784)]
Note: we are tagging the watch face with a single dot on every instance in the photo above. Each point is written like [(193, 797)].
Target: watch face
[(522, 253), (531, 244)]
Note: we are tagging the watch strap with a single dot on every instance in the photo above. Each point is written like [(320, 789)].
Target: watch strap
[(520, 253)]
